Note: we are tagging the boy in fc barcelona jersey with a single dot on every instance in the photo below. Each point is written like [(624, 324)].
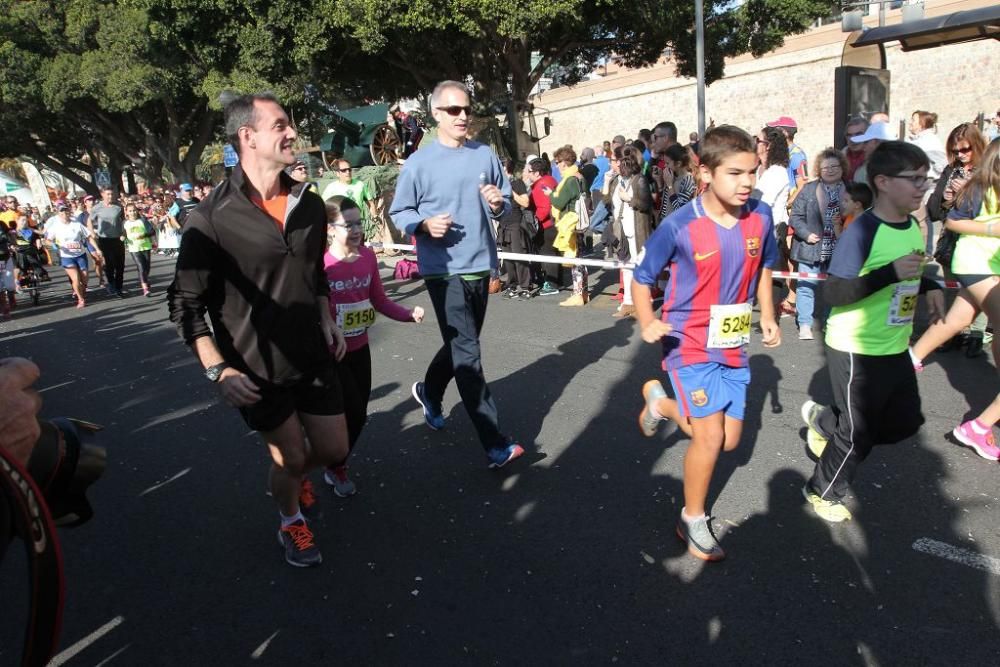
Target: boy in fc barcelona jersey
[(720, 249)]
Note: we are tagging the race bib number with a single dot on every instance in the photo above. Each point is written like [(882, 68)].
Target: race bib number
[(355, 318), (729, 326), (903, 305)]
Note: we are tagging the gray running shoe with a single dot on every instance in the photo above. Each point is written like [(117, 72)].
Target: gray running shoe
[(700, 540), (652, 392), (297, 540), (341, 483)]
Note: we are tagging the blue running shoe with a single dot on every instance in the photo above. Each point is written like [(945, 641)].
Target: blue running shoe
[(434, 420), (504, 454)]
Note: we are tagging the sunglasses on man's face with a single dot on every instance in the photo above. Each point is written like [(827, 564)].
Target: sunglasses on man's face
[(346, 169), (455, 110)]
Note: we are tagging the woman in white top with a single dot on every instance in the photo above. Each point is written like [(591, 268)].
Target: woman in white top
[(772, 189), (73, 240), (772, 174)]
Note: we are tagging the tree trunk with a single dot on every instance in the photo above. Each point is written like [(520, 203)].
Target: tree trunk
[(87, 186)]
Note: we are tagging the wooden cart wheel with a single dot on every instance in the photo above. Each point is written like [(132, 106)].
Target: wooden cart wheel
[(385, 146), (328, 159)]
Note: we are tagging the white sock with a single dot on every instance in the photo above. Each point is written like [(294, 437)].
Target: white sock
[(286, 520), (979, 427), (690, 519)]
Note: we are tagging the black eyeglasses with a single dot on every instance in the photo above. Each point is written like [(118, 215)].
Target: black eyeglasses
[(965, 149), (346, 169), (455, 110)]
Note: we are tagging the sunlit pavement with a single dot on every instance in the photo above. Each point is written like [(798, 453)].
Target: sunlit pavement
[(568, 556)]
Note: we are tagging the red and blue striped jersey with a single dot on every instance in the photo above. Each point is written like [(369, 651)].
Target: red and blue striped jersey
[(709, 266)]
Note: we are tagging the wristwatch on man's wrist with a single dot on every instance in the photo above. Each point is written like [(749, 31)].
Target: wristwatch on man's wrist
[(213, 373)]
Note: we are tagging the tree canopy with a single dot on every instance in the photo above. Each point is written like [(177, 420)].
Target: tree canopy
[(135, 83)]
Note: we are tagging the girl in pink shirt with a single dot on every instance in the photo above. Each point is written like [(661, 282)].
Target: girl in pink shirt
[(356, 294)]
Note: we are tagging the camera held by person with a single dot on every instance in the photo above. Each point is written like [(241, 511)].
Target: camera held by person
[(46, 468)]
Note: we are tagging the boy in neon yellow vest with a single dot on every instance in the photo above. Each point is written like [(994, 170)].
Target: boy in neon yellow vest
[(875, 277)]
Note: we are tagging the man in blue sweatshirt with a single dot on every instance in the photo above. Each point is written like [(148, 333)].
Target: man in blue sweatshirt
[(447, 196)]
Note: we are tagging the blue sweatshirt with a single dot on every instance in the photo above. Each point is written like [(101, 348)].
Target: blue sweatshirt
[(437, 179)]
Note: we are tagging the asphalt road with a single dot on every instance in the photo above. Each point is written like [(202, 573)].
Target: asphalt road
[(566, 557)]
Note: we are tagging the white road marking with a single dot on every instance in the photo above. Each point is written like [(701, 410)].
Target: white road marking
[(56, 386), (259, 651), (86, 641), (112, 656), (156, 486), (23, 335), (958, 555)]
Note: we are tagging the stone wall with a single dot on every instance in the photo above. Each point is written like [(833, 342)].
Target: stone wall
[(956, 82)]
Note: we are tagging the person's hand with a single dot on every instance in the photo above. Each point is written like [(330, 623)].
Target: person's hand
[(493, 196), (949, 194), (812, 239), (657, 176), (237, 389), (909, 266), (547, 191), (609, 176), (836, 220), (935, 305), (655, 330), (335, 339), (19, 429), (438, 225), (417, 314), (772, 332)]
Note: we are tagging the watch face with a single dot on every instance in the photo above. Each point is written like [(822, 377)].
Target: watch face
[(214, 372)]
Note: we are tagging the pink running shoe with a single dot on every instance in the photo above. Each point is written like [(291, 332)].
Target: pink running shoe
[(978, 436)]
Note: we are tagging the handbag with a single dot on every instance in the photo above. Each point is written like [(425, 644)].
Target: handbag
[(945, 249), (406, 269)]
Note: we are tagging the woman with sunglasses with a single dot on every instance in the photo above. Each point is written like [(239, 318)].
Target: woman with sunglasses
[(975, 217), (965, 148), (356, 293)]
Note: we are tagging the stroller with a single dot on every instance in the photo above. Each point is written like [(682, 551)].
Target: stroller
[(31, 271)]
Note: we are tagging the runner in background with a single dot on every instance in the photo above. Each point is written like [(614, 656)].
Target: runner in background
[(356, 294), (139, 235), (719, 250)]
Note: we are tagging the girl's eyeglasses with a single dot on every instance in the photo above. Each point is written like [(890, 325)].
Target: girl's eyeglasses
[(346, 225)]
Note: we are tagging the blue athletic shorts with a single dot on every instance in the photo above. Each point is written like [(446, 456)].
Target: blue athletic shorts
[(74, 262), (707, 388)]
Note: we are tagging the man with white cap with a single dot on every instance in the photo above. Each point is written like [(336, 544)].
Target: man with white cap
[(869, 140)]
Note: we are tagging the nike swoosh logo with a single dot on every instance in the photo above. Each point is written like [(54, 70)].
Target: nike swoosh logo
[(699, 257)]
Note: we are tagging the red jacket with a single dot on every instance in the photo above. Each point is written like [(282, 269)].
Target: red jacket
[(540, 201)]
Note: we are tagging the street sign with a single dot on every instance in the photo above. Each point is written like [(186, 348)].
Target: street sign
[(103, 178), (229, 156)]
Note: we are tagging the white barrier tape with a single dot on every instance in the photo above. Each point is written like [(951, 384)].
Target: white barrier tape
[(614, 264), (516, 256), (954, 284)]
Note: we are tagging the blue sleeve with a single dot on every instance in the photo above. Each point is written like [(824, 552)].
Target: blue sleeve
[(853, 248), (404, 211), (174, 210), (967, 209), (659, 249)]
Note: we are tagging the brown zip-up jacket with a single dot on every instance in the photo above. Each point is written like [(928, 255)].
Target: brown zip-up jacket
[(259, 285)]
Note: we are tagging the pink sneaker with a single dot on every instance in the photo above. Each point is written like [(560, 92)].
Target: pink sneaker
[(979, 437)]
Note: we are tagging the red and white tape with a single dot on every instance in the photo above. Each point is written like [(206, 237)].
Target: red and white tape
[(615, 264)]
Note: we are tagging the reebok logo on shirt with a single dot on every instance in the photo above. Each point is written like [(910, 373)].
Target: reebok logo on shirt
[(353, 283)]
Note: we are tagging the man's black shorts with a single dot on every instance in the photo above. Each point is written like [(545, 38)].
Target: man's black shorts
[(316, 396)]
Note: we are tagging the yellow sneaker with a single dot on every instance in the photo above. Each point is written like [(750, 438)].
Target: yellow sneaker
[(833, 511), (814, 440)]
